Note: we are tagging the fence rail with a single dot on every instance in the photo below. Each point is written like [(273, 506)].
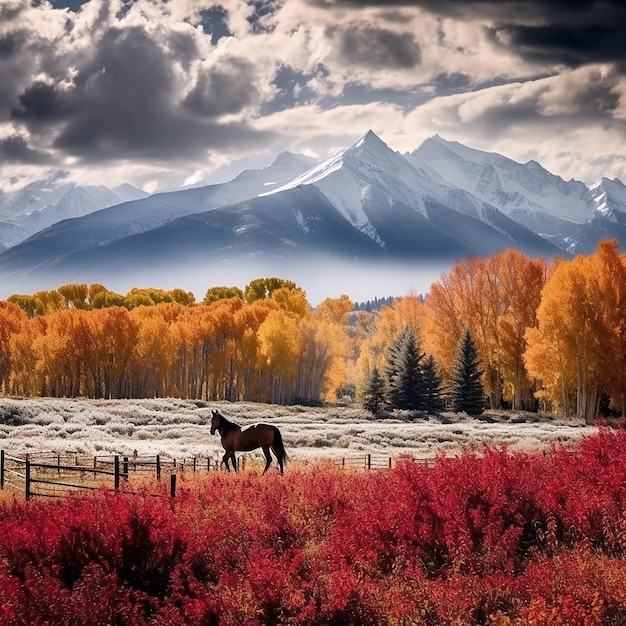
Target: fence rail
[(53, 474)]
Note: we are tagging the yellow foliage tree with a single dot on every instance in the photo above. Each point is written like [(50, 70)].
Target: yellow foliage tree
[(279, 343), (581, 322), (214, 294), (31, 305), (76, 295), (520, 281), (325, 362), (291, 299)]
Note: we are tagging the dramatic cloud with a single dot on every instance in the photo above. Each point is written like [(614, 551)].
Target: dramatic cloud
[(377, 48), (152, 92), (15, 149)]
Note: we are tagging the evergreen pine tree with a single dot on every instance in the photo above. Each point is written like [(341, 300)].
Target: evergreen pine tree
[(404, 373), (392, 358), (433, 394), (467, 390), (374, 392)]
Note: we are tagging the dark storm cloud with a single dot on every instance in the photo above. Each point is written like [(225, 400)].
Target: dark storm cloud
[(119, 98), (183, 49), (124, 104), (226, 89), (500, 9), (569, 45), (555, 31), (120, 95), (15, 149), (41, 102), (378, 47), (11, 44), (10, 12)]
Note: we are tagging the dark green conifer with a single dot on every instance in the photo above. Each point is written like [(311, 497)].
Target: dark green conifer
[(433, 393), (404, 373), (374, 392), (467, 390)]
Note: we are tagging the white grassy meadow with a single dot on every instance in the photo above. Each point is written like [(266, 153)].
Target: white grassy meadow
[(179, 429)]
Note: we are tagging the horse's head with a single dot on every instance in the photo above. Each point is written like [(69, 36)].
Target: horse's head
[(215, 421)]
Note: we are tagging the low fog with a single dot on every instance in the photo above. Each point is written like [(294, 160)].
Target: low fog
[(320, 278)]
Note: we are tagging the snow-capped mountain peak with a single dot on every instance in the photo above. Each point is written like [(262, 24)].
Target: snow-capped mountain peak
[(609, 197), (52, 199), (288, 159), (526, 192), (356, 180)]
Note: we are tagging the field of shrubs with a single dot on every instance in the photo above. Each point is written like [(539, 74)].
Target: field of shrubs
[(498, 538)]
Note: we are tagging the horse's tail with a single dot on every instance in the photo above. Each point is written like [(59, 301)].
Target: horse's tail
[(279, 447)]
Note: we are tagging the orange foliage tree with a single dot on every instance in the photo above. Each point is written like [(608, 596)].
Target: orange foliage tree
[(496, 298), (12, 320)]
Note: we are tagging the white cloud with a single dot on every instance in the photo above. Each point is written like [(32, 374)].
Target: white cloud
[(193, 105)]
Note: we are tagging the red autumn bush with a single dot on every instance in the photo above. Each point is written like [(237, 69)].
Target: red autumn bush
[(497, 539)]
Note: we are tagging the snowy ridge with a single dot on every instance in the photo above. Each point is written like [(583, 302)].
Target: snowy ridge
[(367, 204), (609, 197), (43, 203), (519, 190)]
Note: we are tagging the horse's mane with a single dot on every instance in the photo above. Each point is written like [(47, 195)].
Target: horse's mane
[(226, 425)]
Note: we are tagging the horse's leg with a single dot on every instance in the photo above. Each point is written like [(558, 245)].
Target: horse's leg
[(225, 460), (234, 460), (279, 458), (268, 459)]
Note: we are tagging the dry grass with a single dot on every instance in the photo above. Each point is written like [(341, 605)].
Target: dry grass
[(179, 429)]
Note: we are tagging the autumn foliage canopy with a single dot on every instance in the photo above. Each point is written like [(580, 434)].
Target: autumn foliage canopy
[(549, 335)]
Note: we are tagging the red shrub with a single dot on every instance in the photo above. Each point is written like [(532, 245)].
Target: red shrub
[(498, 539)]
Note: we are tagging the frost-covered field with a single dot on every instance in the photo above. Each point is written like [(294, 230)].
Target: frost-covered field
[(180, 428)]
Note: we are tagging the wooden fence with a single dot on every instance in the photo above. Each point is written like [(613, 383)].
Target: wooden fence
[(53, 474)]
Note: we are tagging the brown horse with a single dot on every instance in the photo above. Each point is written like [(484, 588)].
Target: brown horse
[(248, 438)]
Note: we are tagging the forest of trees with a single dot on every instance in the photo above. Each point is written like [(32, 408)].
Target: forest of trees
[(547, 335)]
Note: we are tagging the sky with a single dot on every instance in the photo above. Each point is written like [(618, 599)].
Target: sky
[(162, 93)]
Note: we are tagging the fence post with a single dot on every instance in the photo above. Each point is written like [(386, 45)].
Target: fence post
[(158, 467), (1, 469), (389, 462), (194, 464), (369, 461), (27, 480), (173, 485), (116, 466), (125, 468)]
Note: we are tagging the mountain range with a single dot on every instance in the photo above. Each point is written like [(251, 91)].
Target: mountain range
[(367, 207)]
